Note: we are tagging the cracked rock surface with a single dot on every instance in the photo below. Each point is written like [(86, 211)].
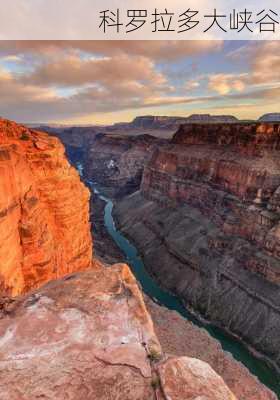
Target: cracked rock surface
[(89, 336)]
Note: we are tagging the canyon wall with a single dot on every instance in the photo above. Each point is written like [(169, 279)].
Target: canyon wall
[(207, 223), (44, 207)]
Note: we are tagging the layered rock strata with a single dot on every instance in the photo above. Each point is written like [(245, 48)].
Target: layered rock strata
[(44, 211)]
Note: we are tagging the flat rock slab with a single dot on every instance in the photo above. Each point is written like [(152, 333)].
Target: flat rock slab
[(86, 336)]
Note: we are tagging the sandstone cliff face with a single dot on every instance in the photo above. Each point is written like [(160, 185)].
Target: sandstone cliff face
[(89, 336), (215, 239), (44, 223)]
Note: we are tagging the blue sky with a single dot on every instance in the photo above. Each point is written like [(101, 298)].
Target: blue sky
[(102, 82)]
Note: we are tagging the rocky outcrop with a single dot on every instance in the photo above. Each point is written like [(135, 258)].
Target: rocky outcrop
[(116, 162), (214, 239), (44, 220), (89, 336), (191, 379)]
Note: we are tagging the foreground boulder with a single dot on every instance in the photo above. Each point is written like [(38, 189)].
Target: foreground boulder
[(191, 379)]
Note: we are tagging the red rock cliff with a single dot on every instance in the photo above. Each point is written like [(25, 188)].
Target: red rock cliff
[(44, 227)]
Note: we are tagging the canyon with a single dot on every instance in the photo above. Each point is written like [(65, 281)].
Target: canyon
[(203, 213), (72, 326)]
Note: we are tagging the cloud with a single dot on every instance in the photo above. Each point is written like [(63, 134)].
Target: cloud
[(266, 63), (263, 58), (226, 83), (54, 81), (72, 71), (192, 84), (154, 49)]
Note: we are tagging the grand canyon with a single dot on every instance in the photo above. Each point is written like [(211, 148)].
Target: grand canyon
[(198, 197)]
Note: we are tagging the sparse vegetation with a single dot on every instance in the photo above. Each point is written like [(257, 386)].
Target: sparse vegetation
[(154, 355), (24, 136), (155, 382)]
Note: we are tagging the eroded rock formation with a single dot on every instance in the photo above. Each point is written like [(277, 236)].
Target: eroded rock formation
[(215, 240), (44, 222)]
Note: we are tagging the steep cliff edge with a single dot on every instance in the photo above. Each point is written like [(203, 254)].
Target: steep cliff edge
[(44, 222), (207, 224)]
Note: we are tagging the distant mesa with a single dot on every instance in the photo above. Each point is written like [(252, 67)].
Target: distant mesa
[(172, 122), (270, 117), (164, 121)]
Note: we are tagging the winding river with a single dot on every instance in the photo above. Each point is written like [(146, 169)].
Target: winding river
[(152, 289)]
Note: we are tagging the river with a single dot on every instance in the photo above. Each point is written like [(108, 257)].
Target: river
[(257, 367)]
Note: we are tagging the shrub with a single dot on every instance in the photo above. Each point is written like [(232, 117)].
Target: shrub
[(154, 355), (24, 136), (155, 382)]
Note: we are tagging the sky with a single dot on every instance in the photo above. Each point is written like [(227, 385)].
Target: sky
[(103, 82)]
